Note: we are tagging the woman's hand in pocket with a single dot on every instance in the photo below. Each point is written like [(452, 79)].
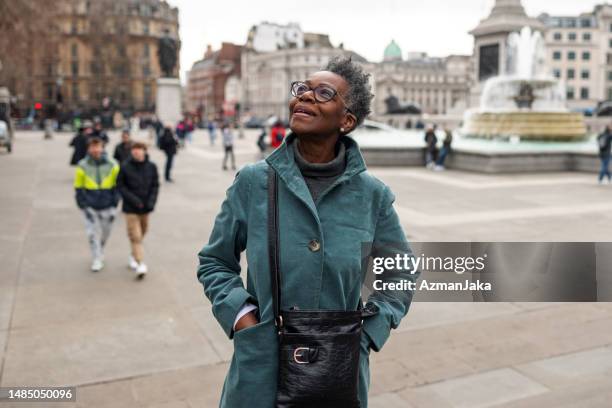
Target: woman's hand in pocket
[(246, 321)]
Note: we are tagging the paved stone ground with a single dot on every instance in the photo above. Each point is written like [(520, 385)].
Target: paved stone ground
[(155, 343)]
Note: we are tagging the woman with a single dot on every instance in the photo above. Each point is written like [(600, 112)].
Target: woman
[(168, 144), (328, 205)]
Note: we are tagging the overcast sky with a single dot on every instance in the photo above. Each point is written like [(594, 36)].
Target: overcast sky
[(438, 27)]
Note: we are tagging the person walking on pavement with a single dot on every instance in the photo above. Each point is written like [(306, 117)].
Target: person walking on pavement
[(98, 131), (138, 184), (228, 145), (168, 144), (97, 197), (79, 144), (445, 151), (211, 131), (430, 148), (277, 134), (261, 142), (604, 141), (122, 150)]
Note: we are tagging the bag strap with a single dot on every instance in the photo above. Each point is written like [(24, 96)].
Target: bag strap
[(273, 243)]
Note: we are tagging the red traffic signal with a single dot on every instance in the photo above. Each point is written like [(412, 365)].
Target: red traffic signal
[(38, 106)]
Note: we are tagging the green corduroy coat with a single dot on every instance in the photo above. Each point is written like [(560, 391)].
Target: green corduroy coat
[(356, 208)]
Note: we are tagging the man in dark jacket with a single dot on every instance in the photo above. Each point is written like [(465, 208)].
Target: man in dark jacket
[(96, 195), (138, 184), (604, 141), (168, 144), (431, 149), (98, 131), (79, 144), (122, 150)]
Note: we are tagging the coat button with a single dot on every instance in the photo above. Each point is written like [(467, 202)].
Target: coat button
[(314, 245)]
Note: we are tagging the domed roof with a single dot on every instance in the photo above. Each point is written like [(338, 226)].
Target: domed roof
[(392, 52)]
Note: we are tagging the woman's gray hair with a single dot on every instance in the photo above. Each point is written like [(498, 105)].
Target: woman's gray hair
[(359, 96)]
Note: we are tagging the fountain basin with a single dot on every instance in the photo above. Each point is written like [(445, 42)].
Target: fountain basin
[(528, 125)]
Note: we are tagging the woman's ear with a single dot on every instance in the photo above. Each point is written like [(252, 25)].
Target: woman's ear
[(348, 123)]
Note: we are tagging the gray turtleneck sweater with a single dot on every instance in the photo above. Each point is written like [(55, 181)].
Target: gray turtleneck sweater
[(319, 176)]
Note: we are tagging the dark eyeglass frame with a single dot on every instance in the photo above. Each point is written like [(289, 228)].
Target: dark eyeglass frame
[(316, 94)]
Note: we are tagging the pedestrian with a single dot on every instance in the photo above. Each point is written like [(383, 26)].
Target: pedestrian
[(211, 131), (261, 142), (323, 204), (277, 134), (138, 184), (431, 149), (445, 151), (228, 145), (79, 145), (180, 132), (604, 142), (168, 144), (97, 197), (123, 148), (189, 130), (100, 133)]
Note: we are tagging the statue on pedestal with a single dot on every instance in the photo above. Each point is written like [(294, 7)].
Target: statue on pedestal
[(167, 54)]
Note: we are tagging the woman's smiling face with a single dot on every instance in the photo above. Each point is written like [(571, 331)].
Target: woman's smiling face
[(310, 117)]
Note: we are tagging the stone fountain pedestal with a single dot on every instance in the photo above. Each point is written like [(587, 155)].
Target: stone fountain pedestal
[(168, 101), (529, 125)]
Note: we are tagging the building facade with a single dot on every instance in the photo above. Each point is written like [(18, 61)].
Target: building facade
[(267, 75), (437, 86), (579, 52), (104, 49), (208, 79)]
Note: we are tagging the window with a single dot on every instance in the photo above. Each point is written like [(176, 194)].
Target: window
[(146, 70), (146, 50), (145, 28), (570, 93), (571, 55), (571, 74), (74, 50), (147, 95), (571, 36), (75, 91), (609, 75), (609, 94), (586, 37), (585, 23), (585, 74), (121, 50), (557, 36), (586, 55), (584, 93), (557, 73), (609, 59), (557, 55), (74, 68)]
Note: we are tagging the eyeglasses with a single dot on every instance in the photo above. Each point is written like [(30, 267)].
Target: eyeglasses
[(322, 93)]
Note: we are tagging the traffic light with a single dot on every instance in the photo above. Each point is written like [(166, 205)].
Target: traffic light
[(38, 106)]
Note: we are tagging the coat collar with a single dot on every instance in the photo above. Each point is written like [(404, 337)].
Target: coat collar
[(283, 162)]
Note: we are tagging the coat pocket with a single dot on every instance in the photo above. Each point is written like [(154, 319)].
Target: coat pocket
[(251, 380)]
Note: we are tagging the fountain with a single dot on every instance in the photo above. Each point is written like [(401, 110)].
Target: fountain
[(526, 102)]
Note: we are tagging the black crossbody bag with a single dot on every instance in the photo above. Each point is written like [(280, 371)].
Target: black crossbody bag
[(318, 349)]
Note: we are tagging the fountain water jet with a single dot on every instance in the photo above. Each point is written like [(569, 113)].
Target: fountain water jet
[(526, 102)]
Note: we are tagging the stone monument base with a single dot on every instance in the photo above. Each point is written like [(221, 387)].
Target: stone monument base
[(168, 101)]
